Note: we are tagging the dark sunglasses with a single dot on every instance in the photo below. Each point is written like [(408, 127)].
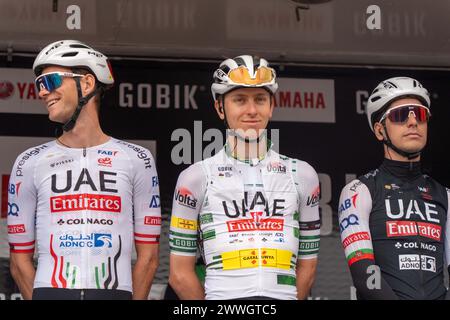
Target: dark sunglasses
[(53, 80), (401, 113)]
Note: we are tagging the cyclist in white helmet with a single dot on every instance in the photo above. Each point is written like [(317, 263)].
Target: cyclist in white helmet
[(394, 220), (253, 212), (85, 198)]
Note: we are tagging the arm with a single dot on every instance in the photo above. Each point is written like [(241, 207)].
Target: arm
[(309, 228), (21, 226), (188, 198), (447, 241), (183, 279), (147, 226), (355, 205), (306, 273), (23, 272)]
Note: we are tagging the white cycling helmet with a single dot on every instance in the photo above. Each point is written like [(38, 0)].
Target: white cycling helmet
[(243, 71), (74, 54), (392, 89)]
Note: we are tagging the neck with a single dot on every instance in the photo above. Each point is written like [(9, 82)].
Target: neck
[(87, 131), (242, 150), (392, 155)]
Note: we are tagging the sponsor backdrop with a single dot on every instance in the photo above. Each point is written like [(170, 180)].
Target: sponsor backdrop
[(319, 112)]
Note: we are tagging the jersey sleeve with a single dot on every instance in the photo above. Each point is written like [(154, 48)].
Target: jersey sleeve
[(307, 183), (22, 201), (188, 198), (355, 205), (447, 231), (146, 200)]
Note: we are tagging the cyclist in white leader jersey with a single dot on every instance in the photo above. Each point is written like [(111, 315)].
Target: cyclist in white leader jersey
[(253, 212), (82, 199)]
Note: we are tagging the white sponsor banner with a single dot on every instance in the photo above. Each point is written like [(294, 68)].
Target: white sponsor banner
[(266, 20), (39, 17), (305, 100), (18, 93), (11, 147)]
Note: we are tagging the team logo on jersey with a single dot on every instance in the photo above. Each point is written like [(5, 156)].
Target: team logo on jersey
[(348, 203), (185, 198), (105, 179), (313, 199), (244, 206), (85, 201), (83, 221), (13, 189), (13, 209), (61, 163), (413, 228), (276, 167), (16, 228), (351, 220), (417, 262), (26, 156), (391, 186), (92, 240), (401, 209), (355, 237), (152, 221), (107, 152), (355, 186), (155, 202), (105, 162), (255, 223), (183, 223)]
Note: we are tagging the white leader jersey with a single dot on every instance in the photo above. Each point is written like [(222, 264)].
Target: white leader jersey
[(254, 221), (83, 207)]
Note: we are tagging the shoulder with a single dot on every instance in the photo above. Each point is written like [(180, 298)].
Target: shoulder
[(194, 175), (29, 157), (301, 169), (138, 154)]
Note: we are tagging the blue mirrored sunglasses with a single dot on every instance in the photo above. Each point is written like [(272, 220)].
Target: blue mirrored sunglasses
[(53, 80)]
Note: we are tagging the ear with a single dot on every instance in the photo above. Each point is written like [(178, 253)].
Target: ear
[(88, 84), (379, 131), (219, 109)]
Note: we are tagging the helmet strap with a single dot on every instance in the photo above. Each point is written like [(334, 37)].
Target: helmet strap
[(387, 141), (69, 125)]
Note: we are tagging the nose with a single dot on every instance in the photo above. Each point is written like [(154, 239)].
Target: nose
[(252, 109), (43, 93), (412, 121)]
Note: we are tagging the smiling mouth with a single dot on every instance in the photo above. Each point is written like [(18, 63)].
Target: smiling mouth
[(52, 102)]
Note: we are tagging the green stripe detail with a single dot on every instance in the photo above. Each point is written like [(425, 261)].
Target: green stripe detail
[(179, 234), (306, 253), (184, 243), (286, 279), (296, 233), (310, 237), (209, 235), (96, 278), (358, 252), (213, 264), (183, 250), (217, 257), (309, 245), (296, 216), (74, 277), (103, 269), (206, 218), (67, 270)]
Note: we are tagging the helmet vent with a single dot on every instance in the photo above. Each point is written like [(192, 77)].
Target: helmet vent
[(70, 54), (79, 46)]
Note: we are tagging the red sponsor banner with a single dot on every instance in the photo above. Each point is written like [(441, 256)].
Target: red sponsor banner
[(355, 237), (413, 228), (85, 201), (361, 256), (4, 204), (16, 228), (269, 224), (152, 221)]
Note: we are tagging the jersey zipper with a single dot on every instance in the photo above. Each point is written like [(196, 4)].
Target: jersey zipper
[(85, 255)]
